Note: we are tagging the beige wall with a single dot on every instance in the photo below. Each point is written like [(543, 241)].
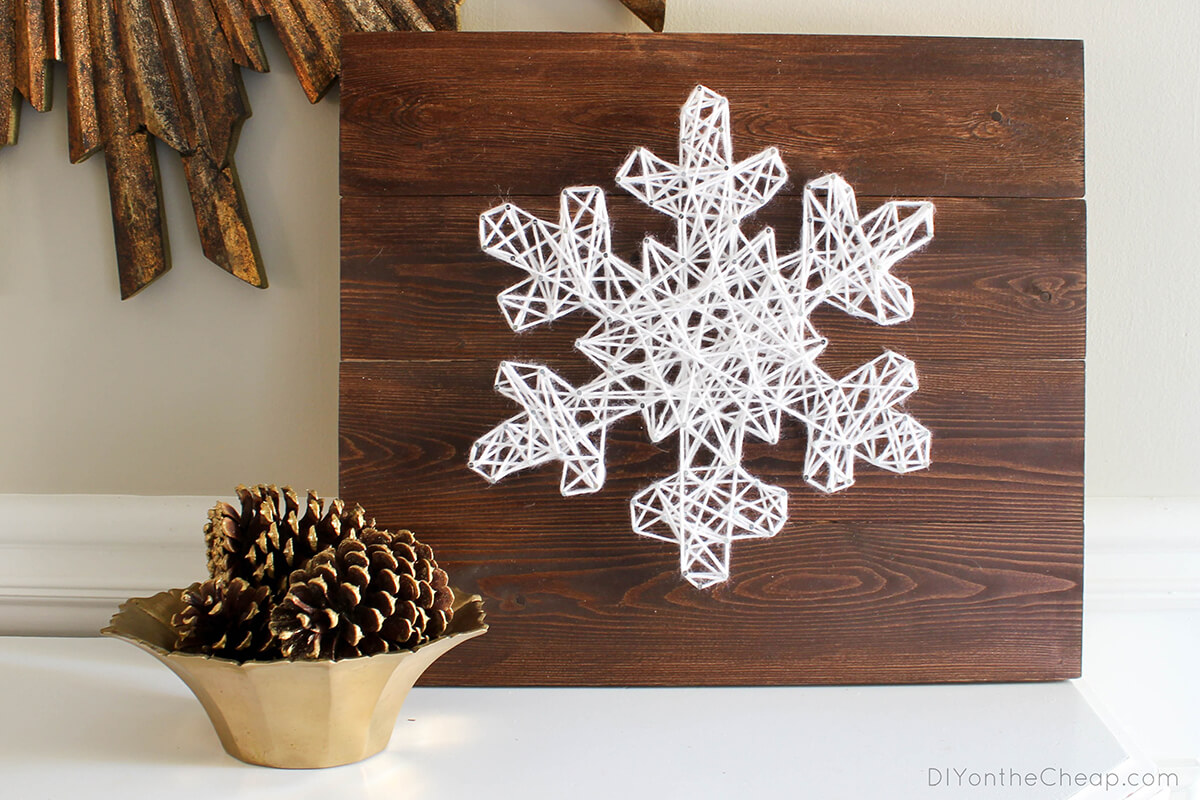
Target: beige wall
[(200, 382)]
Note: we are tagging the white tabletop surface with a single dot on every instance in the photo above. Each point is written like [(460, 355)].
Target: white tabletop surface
[(98, 718)]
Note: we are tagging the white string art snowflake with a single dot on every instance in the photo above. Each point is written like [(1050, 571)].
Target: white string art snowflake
[(709, 339)]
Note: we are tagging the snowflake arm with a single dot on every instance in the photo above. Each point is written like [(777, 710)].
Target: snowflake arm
[(856, 417), (562, 260), (704, 510), (852, 257), (707, 193), (560, 423)]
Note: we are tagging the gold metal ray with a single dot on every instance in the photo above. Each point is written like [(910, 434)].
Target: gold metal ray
[(140, 70)]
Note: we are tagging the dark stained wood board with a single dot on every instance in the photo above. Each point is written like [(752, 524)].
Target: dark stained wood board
[(1006, 280), (970, 570), (992, 459), (893, 115)]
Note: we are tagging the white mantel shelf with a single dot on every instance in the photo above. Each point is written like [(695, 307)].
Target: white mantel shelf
[(98, 718)]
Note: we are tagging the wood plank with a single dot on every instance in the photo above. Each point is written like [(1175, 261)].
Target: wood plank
[(10, 100), (1002, 279), (824, 602), (153, 103), (443, 14), (651, 12), (1008, 444), (129, 158), (309, 34), (222, 219), (203, 77), (83, 122), (240, 34), (402, 15), (34, 52), (488, 113)]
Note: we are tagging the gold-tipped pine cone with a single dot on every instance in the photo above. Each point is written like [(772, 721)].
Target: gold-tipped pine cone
[(381, 593), (225, 619), (269, 533)]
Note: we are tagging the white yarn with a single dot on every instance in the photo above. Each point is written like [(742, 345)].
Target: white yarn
[(709, 339)]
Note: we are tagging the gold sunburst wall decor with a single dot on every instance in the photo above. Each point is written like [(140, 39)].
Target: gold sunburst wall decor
[(171, 70)]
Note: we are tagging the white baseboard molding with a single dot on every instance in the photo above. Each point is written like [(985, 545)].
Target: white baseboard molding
[(1141, 553), (67, 561)]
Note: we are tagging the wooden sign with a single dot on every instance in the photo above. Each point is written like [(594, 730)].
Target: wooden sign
[(969, 570)]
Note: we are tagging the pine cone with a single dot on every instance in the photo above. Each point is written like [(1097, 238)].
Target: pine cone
[(229, 620), (380, 593), (415, 560), (267, 538)]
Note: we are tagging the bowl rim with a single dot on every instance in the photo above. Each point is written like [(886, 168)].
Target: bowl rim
[(477, 627)]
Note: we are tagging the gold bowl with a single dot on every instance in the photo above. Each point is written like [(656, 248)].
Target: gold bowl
[(294, 714)]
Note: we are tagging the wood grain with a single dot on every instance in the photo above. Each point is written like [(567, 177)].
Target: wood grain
[(1002, 278), (311, 30), (894, 115), (207, 84), (968, 570), (310, 37)]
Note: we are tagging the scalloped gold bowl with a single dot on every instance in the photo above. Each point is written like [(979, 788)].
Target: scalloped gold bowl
[(294, 714)]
